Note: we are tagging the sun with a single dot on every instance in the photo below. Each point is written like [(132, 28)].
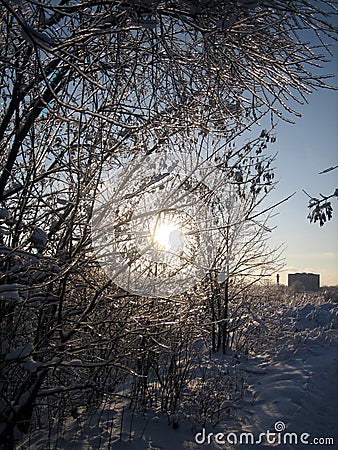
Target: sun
[(167, 236)]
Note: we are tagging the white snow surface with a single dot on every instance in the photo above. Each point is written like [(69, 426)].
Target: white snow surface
[(290, 379), (299, 386)]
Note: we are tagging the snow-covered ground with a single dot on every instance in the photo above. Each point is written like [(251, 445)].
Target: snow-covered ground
[(291, 387), (298, 384)]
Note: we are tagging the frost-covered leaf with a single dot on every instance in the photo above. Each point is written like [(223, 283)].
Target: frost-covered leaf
[(75, 362), (238, 176), (25, 397), (144, 23), (37, 300), (11, 291), (39, 238), (221, 277), (31, 365), (11, 287), (4, 231), (4, 346), (12, 188), (61, 201), (4, 213), (20, 352)]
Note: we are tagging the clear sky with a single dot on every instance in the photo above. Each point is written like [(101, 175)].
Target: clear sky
[(304, 149)]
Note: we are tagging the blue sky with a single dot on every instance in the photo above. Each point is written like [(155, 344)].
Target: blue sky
[(304, 149)]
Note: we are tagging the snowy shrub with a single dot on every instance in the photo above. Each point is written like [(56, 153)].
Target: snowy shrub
[(213, 391)]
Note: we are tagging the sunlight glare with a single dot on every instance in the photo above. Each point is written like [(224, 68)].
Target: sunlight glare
[(168, 237)]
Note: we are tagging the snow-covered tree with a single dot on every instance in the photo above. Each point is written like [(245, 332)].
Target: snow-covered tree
[(320, 209)]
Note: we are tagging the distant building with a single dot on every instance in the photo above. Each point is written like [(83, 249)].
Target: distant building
[(304, 281)]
